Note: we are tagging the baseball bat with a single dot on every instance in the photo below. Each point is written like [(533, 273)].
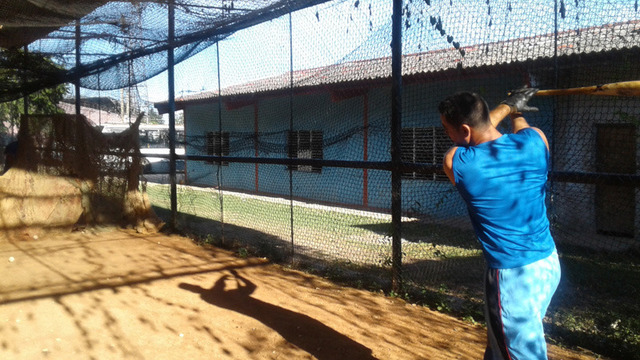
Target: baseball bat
[(623, 88)]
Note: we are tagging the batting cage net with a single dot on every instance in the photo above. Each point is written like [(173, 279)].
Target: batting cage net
[(286, 129), (62, 173)]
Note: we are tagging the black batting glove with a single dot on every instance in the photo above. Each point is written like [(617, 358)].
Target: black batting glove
[(518, 99)]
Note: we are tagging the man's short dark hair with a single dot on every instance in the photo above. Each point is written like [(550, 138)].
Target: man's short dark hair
[(465, 108)]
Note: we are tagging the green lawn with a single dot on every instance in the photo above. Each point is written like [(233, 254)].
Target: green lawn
[(351, 230)]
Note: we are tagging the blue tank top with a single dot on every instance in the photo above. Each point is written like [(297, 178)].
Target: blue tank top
[(503, 183)]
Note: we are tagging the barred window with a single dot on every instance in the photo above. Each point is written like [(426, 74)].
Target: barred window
[(218, 144), (424, 145), (305, 144)]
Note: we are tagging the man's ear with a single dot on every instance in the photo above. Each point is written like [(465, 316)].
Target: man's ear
[(466, 133)]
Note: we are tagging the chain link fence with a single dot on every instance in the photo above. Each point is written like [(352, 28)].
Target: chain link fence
[(288, 145), (325, 117)]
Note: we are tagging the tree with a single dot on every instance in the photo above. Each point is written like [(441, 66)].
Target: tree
[(16, 64), (179, 117), (154, 117), (41, 102)]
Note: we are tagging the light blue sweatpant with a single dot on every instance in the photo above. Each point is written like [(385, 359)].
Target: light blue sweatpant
[(516, 301)]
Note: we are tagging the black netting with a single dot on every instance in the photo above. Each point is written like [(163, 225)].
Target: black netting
[(121, 43), (291, 157)]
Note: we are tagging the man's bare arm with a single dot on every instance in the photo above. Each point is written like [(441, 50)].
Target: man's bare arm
[(447, 164), (499, 113), (518, 122)]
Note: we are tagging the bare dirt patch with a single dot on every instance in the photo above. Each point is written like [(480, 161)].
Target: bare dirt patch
[(105, 293)]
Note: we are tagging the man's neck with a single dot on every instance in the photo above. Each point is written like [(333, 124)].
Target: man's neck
[(487, 134)]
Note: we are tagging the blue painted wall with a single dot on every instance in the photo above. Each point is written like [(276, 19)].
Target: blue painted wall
[(343, 137)]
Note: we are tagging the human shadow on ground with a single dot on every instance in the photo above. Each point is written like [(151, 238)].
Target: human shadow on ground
[(298, 329)]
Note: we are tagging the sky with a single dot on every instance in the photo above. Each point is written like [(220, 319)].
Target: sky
[(361, 29), (322, 35)]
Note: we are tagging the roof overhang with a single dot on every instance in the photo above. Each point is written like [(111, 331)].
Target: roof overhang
[(25, 21)]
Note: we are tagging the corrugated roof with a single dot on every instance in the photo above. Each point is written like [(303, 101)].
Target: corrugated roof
[(584, 41)]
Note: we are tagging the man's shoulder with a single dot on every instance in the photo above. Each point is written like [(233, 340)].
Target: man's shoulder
[(451, 152), (534, 133)]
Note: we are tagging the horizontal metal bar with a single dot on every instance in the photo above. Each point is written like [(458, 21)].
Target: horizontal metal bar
[(595, 178), (379, 165), (424, 168)]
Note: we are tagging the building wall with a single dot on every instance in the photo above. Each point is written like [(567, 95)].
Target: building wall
[(272, 115), (345, 128), (575, 148)]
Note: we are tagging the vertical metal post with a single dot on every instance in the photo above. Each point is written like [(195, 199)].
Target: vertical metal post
[(172, 115), (78, 63), (365, 149), (291, 129), (25, 99), (99, 102), (80, 141), (129, 80), (220, 139), (553, 117), (396, 155), (256, 144)]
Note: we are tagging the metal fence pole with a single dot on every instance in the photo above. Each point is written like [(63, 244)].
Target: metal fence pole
[(78, 63), (220, 137), (554, 130), (172, 115), (25, 99), (396, 155), (291, 128)]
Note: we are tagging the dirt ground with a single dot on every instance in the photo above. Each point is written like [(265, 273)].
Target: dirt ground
[(114, 294)]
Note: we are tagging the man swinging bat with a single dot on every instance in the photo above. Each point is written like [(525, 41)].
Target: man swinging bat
[(502, 179)]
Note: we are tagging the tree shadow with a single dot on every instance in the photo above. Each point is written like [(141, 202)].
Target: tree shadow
[(307, 333)]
